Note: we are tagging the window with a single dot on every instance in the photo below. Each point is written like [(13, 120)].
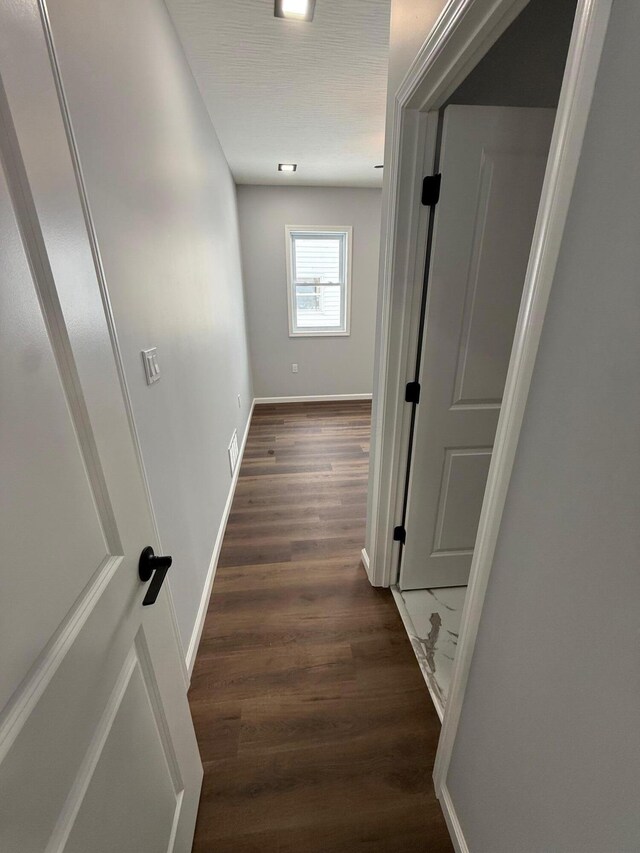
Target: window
[(319, 280)]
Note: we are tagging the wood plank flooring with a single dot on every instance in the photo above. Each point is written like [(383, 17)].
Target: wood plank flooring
[(315, 727)]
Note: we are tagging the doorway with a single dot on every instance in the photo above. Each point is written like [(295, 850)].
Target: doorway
[(492, 139)]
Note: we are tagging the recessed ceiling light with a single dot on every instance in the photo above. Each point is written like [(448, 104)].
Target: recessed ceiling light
[(297, 10), (287, 167)]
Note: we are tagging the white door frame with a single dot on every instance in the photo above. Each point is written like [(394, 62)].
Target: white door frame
[(462, 35)]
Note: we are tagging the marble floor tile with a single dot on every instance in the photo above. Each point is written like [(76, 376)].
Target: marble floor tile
[(432, 619)]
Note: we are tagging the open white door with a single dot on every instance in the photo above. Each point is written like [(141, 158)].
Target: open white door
[(97, 748), (492, 162)]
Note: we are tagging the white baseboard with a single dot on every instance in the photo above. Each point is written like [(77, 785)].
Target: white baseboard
[(194, 642), (453, 824), (365, 559), (312, 399)]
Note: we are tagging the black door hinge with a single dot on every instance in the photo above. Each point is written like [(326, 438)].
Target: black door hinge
[(431, 190), (412, 392), (399, 534)]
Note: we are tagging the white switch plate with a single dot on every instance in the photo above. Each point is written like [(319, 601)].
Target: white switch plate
[(294, 368), (151, 366)]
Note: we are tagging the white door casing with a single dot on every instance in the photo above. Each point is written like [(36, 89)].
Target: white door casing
[(97, 748), (492, 161)]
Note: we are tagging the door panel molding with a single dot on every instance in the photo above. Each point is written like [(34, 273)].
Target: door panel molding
[(53, 655), (33, 243), (131, 679), (73, 803), (482, 208), (143, 659), (494, 164), (451, 454)]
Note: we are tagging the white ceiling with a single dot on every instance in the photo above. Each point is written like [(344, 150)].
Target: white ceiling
[(281, 91)]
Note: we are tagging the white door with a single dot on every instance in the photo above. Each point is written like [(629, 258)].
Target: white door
[(97, 748), (492, 163)]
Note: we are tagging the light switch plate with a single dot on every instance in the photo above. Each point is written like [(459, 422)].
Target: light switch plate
[(151, 366)]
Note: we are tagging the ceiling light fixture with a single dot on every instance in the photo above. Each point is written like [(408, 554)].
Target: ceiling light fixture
[(287, 167), (296, 10)]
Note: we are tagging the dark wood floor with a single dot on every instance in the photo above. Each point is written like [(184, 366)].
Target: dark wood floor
[(315, 727)]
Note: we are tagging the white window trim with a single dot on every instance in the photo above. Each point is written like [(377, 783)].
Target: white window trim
[(314, 229)]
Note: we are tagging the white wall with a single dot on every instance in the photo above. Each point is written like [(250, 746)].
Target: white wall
[(327, 365), (547, 756), (164, 207)]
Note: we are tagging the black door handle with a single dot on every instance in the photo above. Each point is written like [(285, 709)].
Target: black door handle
[(148, 565)]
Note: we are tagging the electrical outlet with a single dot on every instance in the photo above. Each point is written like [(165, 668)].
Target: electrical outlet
[(239, 402), (294, 368)]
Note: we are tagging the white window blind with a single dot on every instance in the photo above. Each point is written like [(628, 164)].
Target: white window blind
[(318, 259), (318, 280)]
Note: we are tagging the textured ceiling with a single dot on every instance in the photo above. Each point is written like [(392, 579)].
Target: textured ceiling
[(282, 91)]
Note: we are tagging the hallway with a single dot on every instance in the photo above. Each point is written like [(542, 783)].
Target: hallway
[(315, 726)]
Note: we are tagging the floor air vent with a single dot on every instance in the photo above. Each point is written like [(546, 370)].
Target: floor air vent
[(233, 451)]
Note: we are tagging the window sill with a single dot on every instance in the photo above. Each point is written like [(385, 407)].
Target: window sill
[(315, 334)]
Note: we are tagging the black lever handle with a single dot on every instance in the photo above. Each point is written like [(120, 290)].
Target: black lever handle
[(148, 565)]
